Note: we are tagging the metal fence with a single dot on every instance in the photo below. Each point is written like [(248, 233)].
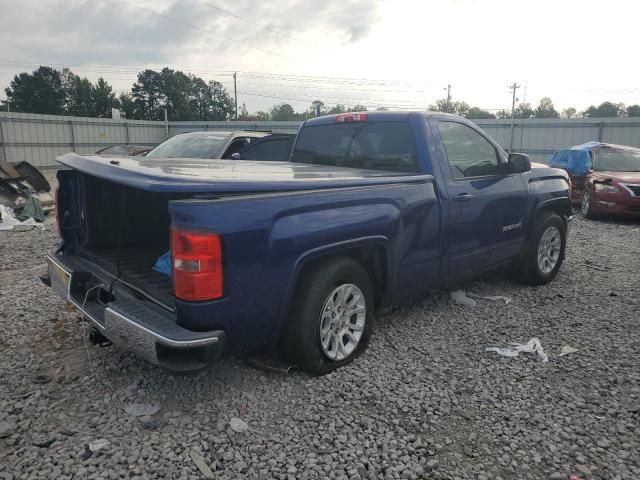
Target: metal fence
[(39, 139)]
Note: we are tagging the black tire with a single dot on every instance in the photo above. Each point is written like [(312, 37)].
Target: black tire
[(585, 206), (528, 268), (301, 339)]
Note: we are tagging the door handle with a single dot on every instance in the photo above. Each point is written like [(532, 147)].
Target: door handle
[(463, 197)]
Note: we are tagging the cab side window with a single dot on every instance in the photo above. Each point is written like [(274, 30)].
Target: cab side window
[(469, 154)]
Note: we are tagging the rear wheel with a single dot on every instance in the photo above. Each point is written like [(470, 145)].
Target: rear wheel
[(544, 253), (331, 316)]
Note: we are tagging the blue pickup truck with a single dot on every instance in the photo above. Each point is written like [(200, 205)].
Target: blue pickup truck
[(371, 208)]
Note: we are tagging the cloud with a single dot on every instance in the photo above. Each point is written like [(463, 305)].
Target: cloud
[(113, 32)]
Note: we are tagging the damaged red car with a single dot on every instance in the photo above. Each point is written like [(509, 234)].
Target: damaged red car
[(605, 178)]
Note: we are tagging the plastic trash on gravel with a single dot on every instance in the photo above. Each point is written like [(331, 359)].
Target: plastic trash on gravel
[(99, 444), (460, 297), (142, 409), (532, 346), (11, 223), (567, 350), (238, 425)]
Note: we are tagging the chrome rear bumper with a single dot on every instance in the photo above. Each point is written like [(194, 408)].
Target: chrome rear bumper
[(131, 323)]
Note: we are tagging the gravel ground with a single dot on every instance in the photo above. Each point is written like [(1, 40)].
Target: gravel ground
[(425, 401)]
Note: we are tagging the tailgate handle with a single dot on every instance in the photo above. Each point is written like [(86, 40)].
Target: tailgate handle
[(463, 197)]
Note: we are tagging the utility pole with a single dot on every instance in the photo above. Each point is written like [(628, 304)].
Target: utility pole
[(448, 89), (513, 88), (235, 92), (166, 123)]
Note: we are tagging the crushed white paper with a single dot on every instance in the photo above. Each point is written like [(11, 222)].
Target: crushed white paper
[(532, 346)]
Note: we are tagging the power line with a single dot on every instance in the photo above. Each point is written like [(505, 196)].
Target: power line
[(266, 27), (251, 74), (206, 30)]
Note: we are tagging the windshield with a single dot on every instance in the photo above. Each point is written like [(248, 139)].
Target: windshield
[(385, 146), (615, 160), (190, 146)]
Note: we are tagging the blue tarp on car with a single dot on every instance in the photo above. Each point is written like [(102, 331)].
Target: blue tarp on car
[(576, 160)]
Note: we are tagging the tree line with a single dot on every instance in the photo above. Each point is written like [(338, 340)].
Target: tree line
[(545, 109), (188, 97), (184, 96)]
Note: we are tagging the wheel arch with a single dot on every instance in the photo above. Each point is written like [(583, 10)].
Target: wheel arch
[(561, 206), (373, 253)]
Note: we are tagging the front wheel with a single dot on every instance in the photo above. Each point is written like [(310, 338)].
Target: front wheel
[(585, 206), (331, 316), (544, 252)]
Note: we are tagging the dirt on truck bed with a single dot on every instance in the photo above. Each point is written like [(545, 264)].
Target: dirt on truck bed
[(425, 401)]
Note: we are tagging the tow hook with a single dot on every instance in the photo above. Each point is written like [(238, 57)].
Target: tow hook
[(46, 279), (96, 338)]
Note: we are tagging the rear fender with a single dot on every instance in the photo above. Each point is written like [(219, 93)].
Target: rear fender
[(334, 249)]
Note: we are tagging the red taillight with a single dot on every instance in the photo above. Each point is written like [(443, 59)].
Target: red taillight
[(197, 265), (351, 117)]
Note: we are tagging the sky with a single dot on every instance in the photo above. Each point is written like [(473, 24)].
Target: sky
[(396, 54)]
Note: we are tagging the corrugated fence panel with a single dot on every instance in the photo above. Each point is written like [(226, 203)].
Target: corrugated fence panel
[(39, 139), (145, 133), (622, 132)]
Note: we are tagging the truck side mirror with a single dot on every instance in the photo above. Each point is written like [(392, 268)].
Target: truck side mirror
[(519, 163), (236, 156)]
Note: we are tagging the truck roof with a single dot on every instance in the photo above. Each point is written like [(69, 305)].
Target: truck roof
[(379, 116)]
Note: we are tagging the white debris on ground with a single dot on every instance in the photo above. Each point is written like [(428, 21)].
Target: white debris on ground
[(238, 425), (9, 222), (142, 409), (437, 406), (567, 350), (461, 297), (532, 346), (98, 445)]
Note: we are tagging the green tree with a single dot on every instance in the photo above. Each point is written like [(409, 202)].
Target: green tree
[(148, 97), (243, 113), (283, 112), (185, 96), (262, 116), (605, 110), (79, 94), (546, 109), (523, 110), (104, 99), (38, 92), (317, 104), (338, 108), (569, 112), (357, 108), (477, 113), (456, 108), (220, 104), (127, 105), (633, 111)]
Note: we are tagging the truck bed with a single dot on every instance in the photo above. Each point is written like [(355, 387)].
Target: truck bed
[(136, 269)]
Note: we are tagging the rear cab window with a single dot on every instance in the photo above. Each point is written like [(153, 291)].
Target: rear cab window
[(387, 146)]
